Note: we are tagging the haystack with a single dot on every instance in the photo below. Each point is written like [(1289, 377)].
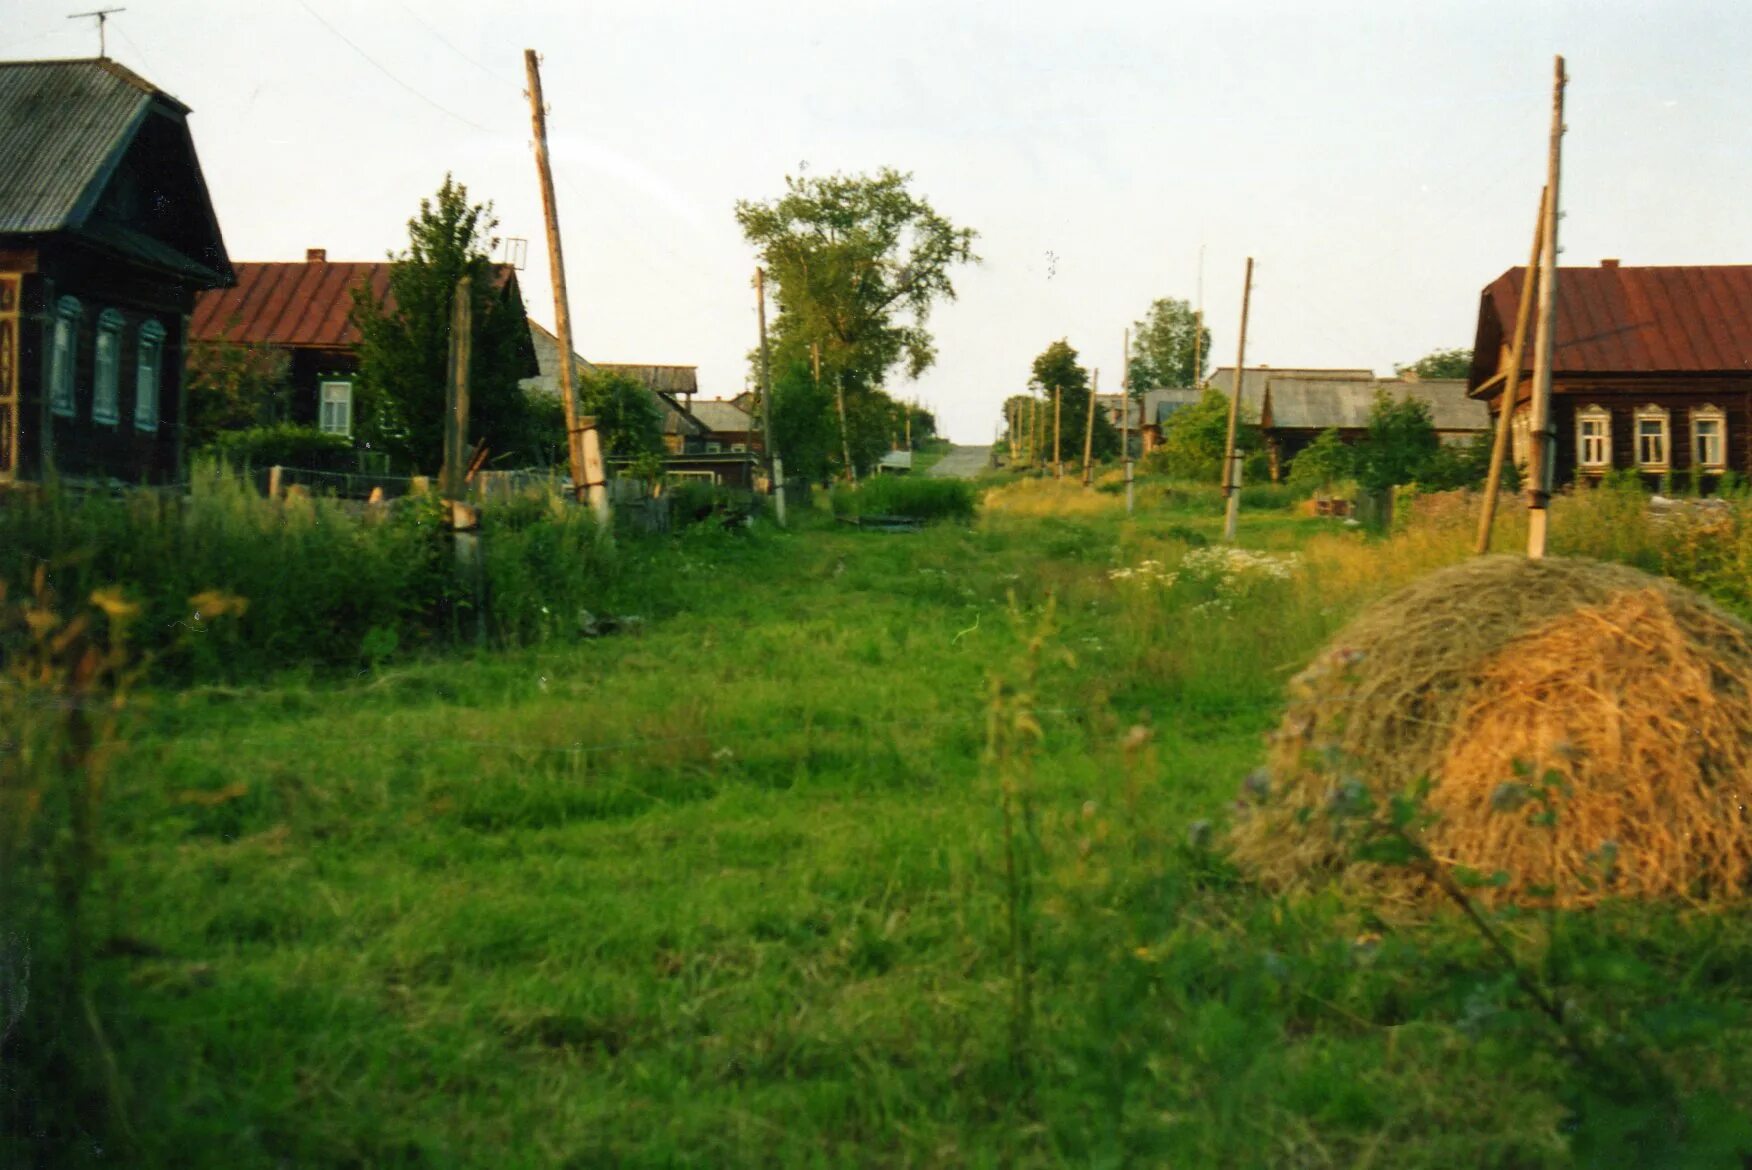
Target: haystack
[(1633, 694)]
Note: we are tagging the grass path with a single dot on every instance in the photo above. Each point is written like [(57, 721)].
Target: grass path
[(730, 892)]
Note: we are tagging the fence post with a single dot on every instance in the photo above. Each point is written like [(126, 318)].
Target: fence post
[(274, 482)]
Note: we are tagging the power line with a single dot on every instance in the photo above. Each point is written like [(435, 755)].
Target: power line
[(375, 64), (447, 43)]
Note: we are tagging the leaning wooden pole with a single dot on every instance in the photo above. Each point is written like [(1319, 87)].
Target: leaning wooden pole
[(1058, 459), (775, 465), (583, 448), (1125, 405), (1540, 449), (450, 477), (1511, 392), (1231, 468), (1089, 432)]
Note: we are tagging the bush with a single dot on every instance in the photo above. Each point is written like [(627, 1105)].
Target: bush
[(286, 445), (905, 495)]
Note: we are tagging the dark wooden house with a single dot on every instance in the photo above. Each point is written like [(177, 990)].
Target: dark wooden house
[(106, 237), (305, 311), (1651, 371)]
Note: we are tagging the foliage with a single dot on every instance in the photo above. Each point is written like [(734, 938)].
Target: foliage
[(232, 385), (858, 263), (286, 445), (1441, 363), (1194, 438), (907, 495), (1325, 462), (405, 342), (627, 414), (1165, 345), (1064, 385), (1400, 443), (1461, 465)]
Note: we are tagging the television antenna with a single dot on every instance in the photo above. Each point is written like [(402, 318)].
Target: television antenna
[(102, 15), (516, 251)]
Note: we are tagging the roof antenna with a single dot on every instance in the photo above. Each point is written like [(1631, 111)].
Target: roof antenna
[(103, 15)]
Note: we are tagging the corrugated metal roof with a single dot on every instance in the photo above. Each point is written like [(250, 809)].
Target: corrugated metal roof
[(1612, 319), (63, 126), (1346, 403), (298, 304), (1253, 386)]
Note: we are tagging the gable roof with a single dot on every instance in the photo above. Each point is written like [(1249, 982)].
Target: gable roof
[(66, 127), (722, 415), (298, 304), (1253, 384), (663, 379), (1614, 320)]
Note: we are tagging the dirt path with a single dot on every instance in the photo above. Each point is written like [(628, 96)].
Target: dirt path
[(961, 463)]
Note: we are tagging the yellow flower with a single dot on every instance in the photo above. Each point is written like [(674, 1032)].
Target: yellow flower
[(217, 603), (111, 601)]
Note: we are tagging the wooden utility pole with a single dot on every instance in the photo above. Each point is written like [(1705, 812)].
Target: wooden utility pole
[(1058, 461), (1511, 391), (583, 447), (775, 465), (1231, 464), (1540, 450), (1197, 344), (1125, 401), (1089, 431), (839, 394), (456, 385)]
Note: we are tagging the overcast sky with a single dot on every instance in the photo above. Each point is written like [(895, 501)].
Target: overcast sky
[(1382, 161)]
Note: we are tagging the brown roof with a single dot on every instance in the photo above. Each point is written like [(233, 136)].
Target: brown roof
[(1612, 320), (304, 304)]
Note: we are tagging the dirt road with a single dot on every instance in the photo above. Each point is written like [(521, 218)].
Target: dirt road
[(961, 463)]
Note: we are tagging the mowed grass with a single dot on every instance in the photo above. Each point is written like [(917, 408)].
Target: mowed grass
[(730, 889)]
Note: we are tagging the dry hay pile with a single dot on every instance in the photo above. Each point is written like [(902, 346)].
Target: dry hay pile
[(1636, 692)]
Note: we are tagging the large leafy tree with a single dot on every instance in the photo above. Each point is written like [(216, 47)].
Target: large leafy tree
[(1400, 443), (1440, 363), (858, 263), (405, 342), (626, 412), (232, 386), (1057, 374), (1195, 436), (1163, 348)]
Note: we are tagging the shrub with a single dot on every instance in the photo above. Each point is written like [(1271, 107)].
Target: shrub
[(287, 445), (904, 495)]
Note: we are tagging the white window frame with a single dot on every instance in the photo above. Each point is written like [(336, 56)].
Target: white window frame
[(106, 367), (323, 402), (148, 375), (1594, 413), (709, 477), (64, 358), (713, 447), (1709, 414), (1653, 413)]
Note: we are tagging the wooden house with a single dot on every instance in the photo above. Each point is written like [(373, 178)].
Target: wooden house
[(305, 311), (107, 235), (670, 386), (1651, 370)]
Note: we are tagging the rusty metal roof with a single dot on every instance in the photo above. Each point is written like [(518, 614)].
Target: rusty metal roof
[(298, 304), (1612, 320)]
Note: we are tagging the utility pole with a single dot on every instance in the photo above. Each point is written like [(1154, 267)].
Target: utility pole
[(1058, 461), (102, 15), (1089, 431), (775, 465), (583, 447), (456, 412), (1540, 450), (839, 394), (1231, 459), (1511, 391), (1125, 400)]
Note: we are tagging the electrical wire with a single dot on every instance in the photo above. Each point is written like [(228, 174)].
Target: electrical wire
[(375, 64)]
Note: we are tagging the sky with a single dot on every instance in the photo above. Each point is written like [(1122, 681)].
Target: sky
[(1381, 161)]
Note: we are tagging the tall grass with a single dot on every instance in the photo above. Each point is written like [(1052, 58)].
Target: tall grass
[(912, 496)]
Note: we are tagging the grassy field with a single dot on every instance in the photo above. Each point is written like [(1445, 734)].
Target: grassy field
[(779, 876)]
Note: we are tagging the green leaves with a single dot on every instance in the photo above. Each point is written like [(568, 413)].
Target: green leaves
[(1168, 347)]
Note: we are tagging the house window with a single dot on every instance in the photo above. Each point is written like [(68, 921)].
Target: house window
[(713, 448), (1593, 438), (107, 378), (61, 399), (739, 446), (336, 411), (1651, 438), (148, 369), (1709, 438)]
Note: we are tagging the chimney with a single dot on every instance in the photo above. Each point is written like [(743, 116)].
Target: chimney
[(1610, 262), (320, 256)]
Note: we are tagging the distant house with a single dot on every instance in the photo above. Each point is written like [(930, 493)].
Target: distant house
[(305, 310), (106, 237), (729, 426), (1293, 406), (1651, 370), (682, 432)]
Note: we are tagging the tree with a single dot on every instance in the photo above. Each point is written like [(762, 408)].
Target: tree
[(1400, 443), (1194, 437), (857, 262), (1163, 350), (233, 386), (1440, 363), (1327, 461), (404, 345), (628, 418), (1057, 375)]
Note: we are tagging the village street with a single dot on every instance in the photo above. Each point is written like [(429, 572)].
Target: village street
[(961, 463)]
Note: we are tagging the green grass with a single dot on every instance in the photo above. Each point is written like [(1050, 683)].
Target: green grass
[(728, 890)]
